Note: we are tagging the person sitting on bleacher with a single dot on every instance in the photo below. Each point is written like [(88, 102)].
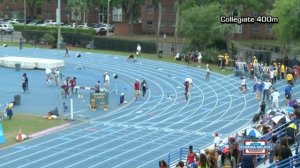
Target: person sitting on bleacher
[(227, 160)]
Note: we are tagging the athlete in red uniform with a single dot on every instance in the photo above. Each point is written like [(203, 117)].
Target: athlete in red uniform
[(137, 89)]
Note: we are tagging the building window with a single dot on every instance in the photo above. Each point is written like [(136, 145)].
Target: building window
[(117, 15), (269, 28), (254, 14), (238, 28), (48, 14), (149, 25), (149, 9), (255, 28), (48, 2)]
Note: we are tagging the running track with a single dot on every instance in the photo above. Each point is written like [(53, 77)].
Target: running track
[(141, 133)]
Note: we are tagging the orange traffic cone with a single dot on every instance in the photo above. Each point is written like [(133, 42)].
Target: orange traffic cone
[(20, 136)]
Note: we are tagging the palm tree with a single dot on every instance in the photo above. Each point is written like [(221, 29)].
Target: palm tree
[(76, 7)]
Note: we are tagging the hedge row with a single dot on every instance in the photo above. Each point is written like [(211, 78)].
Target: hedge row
[(53, 28), (82, 40)]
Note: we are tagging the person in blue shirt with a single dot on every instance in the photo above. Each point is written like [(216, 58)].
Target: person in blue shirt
[(288, 93), (259, 90), (122, 99)]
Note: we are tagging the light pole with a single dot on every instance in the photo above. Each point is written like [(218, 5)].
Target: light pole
[(58, 21), (25, 13), (107, 26)]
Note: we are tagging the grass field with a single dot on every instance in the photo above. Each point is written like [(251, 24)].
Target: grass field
[(29, 124)]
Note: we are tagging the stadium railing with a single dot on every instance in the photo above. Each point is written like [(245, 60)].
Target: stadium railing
[(181, 155)]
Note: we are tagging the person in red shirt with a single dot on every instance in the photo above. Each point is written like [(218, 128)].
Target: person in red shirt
[(191, 156), (73, 84), (186, 89), (137, 89)]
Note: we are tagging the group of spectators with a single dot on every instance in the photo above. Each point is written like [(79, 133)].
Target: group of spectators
[(227, 154)]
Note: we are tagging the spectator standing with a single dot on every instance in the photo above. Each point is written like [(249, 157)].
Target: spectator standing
[(207, 72), (223, 63), (191, 157), (252, 71), (21, 44), (259, 90), (267, 87), (278, 71), (247, 161), (212, 159), (290, 79), (288, 93), (172, 50), (67, 51), (283, 152), (262, 109), (255, 83), (144, 87), (139, 50), (271, 153), (275, 99), (199, 58), (233, 147), (286, 61), (25, 83), (136, 89), (271, 75), (227, 160), (217, 141), (254, 60), (203, 161), (282, 71), (162, 164)]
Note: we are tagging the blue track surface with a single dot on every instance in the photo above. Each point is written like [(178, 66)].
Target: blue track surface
[(137, 134)]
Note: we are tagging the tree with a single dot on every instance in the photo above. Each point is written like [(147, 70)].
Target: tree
[(76, 7), (32, 5), (288, 28), (178, 5), (201, 24), (131, 11)]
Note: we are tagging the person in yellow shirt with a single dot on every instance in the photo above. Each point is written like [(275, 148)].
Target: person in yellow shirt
[(220, 57), (289, 78), (254, 60), (282, 71), (226, 59), (9, 108)]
